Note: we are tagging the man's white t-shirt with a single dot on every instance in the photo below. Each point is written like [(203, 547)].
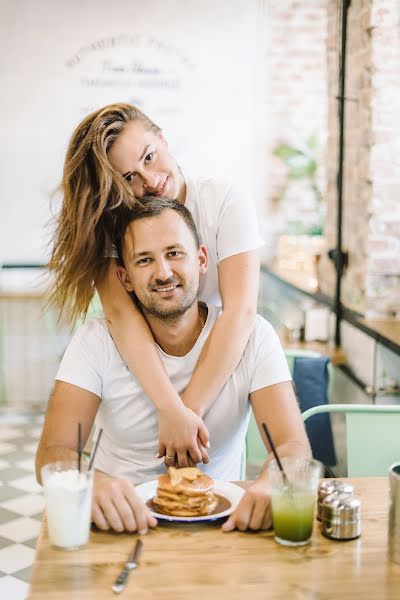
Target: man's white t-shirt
[(129, 442), (226, 222)]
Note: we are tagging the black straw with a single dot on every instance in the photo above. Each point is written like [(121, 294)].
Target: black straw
[(95, 450), (79, 446), (278, 460)]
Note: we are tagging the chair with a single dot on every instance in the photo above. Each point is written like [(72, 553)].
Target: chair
[(373, 436), (311, 378)]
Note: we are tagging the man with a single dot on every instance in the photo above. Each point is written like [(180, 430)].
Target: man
[(163, 262)]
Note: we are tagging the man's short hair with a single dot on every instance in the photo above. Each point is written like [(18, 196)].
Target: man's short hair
[(150, 206)]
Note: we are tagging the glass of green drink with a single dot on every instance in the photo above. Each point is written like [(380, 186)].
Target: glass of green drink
[(293, 501)]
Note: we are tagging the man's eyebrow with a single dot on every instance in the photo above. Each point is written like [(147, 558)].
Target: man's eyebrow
[(138, 254), (141, 156), (147, 252)]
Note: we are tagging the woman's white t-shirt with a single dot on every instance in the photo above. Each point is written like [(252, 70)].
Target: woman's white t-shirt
[(227, 225)]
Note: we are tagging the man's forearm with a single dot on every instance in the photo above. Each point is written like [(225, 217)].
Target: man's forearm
[(51, 454)]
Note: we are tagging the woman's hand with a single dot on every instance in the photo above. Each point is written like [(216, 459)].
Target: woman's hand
[(254, 509), (183, 437), (117, 506)]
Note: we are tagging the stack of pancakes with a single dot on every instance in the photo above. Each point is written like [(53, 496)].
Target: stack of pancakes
[(185, 492)]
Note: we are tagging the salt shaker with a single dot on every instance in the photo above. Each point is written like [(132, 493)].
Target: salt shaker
[(341, 516), (328, 487)]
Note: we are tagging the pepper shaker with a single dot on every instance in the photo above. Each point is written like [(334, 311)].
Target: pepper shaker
[(341, 516)]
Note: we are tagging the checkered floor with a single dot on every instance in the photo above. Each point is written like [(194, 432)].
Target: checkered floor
[(21, 503)]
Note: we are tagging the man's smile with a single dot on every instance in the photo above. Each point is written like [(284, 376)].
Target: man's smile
[(166, 289)]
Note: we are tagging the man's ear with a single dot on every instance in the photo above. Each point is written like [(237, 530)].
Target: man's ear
[(203, 259), (124, 278)]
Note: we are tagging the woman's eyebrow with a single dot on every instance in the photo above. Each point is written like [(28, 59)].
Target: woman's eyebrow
[(140, 158)]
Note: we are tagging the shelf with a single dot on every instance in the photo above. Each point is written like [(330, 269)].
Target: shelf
[(336, 355), (384, 331), (298, 283)]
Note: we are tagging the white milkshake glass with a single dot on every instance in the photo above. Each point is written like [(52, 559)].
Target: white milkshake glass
[(68, 494)]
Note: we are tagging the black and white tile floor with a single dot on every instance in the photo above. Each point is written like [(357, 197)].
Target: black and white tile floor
[(21, 503)]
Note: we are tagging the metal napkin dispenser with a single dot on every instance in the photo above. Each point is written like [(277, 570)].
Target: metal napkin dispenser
[(341, 516)]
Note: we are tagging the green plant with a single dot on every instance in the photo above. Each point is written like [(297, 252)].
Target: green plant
[(301, 162)]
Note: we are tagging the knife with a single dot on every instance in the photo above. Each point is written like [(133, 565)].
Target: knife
[(131, 563)]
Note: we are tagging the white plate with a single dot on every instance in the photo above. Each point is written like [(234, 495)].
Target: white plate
[(229, 490)]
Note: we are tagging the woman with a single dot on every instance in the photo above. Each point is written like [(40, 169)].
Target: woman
[(118, 155)]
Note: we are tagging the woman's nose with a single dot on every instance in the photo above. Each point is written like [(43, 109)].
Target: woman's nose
[(150, 181)]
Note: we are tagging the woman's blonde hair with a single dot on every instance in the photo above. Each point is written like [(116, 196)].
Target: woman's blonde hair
[(92, 191)]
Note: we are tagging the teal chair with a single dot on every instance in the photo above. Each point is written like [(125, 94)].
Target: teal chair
[(372, 433)]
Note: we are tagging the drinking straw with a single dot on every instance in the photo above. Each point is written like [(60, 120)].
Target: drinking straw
[(79, 446), (95, 450), (273, 448)]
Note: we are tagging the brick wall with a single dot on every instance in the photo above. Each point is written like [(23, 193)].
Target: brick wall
[(383, 263), (297, 96), (371, 213)]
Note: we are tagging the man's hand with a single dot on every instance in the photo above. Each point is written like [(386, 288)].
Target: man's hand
[(117, 506), (254, 509), (183, 437)]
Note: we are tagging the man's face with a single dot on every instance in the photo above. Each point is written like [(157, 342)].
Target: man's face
[(143, 159), (162, 264)]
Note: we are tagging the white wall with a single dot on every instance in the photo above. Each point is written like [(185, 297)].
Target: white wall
[(196, 67)]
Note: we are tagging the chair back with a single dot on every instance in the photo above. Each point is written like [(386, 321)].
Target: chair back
[(372, 434)]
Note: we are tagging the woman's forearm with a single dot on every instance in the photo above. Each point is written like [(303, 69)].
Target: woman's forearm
[(135, 342), (218, 359), (142, 358), (238, 283)]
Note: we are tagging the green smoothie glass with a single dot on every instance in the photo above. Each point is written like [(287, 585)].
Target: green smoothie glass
[(293, 503)]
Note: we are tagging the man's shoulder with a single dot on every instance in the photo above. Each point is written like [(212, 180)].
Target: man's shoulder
[(262, 324), (263, 332), (93, 330)]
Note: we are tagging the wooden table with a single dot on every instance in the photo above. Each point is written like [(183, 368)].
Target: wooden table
[(188, 562)]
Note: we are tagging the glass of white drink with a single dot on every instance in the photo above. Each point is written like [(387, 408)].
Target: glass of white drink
[(293, 501), (68, 494)]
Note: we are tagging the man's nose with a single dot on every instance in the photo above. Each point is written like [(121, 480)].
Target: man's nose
[(163, 270)]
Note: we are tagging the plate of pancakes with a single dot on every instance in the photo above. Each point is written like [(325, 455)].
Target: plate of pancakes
[(189, 495)]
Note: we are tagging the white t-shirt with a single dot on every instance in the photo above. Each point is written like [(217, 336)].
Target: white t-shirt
[(226, 222), (129, 442)]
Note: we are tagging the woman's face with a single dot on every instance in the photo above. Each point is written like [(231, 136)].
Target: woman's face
[(143, 159)]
